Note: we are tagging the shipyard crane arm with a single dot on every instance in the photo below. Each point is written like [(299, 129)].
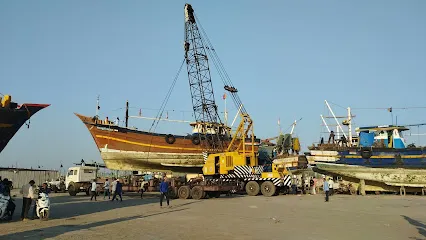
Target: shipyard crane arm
[(198, 49), (204, 106)]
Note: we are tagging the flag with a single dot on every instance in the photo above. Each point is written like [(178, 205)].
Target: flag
[(224, 96), (140, 112)]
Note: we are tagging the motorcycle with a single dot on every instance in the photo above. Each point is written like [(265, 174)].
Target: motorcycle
[(4, 202), (43, 206)]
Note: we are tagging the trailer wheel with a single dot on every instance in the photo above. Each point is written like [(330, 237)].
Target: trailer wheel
[(184, 192), (252, 188), (197, 192), (171, 193), (268, 189)]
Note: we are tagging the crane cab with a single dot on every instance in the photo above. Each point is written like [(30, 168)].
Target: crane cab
[(223, 163)]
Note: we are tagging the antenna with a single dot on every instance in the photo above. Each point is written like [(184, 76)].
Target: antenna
[(97, 107)]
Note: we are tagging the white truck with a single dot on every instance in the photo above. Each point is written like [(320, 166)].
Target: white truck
[(79, 179)]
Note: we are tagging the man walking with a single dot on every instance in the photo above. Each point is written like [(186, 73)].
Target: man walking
[(106, 189), (118, 191), (326, 189), (164, 189), (142, 187), (93, 190), (28, 195), (330, 185)]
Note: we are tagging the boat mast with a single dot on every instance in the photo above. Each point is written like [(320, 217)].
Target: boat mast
[(334, 116), (97, 107), (127, 113), (350, 126), (325, 123)]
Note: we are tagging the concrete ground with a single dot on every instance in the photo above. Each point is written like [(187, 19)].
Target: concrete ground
[(236, 217)]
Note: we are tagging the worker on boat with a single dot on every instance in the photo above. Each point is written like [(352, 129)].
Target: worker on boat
[(331, 137)]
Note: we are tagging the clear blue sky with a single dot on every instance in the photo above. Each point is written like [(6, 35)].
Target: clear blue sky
[(285, 57)]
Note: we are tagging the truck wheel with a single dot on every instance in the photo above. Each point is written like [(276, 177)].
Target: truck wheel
[(71, 190), (252, 188), (171, 193), (268, 189), (197, 192), (184, 192)]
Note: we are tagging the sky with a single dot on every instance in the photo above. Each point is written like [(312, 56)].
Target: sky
[(285, 58)]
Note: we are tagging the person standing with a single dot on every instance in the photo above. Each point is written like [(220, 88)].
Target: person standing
[(93, 190), (326, 189), (312, 185), (113, 185), (330, 185), (106, 189), (164, 189), (43, 189), (142, 187), (118, 191), (28, 195)]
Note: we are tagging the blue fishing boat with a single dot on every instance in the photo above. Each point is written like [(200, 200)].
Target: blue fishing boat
[(383, 147)]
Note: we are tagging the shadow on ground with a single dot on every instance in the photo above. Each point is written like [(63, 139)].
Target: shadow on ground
[(419, 225), (61, 229), (74, 206)]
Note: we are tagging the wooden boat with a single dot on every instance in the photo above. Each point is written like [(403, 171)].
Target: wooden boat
[(13, 116), (123, 148)]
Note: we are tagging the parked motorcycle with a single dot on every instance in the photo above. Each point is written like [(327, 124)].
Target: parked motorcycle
[(4, 202), (43, 206)]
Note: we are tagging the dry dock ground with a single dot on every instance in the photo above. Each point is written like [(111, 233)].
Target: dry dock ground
[(236, 217)]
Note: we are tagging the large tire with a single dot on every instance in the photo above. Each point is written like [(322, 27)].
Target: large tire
[(366, 153), (72, 190), (172, 193), (184, 192), (195, 139), (197, 193), (170, 139), (252, 188), (268, 189)]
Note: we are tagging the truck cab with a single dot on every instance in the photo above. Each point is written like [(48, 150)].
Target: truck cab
[(79, 178)]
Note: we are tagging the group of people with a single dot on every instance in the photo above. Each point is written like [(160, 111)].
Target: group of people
[(28, 192), (313, 186), (115, 188)]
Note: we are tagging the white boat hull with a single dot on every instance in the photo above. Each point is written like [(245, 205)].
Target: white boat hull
[(390, 176)]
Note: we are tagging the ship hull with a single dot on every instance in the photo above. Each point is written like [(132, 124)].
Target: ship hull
[(130, 149), (414, 158), (11, 120), (389, 176)]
